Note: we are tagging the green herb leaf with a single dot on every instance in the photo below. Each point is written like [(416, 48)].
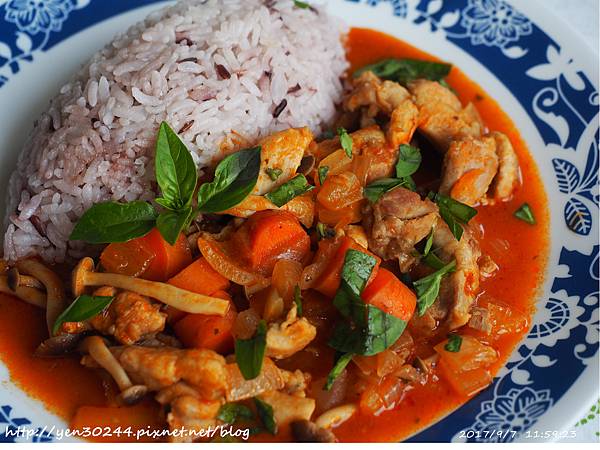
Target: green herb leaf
[(273, 173), (250, 353), (171, 223), (322, 172), (404, 70), (374, 191), (233, 412), (367, 330), (428, 288), (432, 260), (235, 178), (288, 190), (83, 307), (454, 213), (110, 222), (525, 214), (175, 170), (337, 370), (298, 300), (345, 141), (428, 243), (409, 160), (301, 5), (454, 343), (265, 414)]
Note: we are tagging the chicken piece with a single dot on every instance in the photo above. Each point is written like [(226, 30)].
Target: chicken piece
[(377, 97), (284, 151), (508, 174), (192, 415), (397, 222), (469, 167), (270, 379), (458, 289), (288, 408), (442, 119), (158, 368), (129, 318), (289, 337), (296, 382)]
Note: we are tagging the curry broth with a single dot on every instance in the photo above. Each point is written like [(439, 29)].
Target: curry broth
[(519, 249)]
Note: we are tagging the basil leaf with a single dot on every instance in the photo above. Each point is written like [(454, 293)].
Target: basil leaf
[(404, 70), (432, 260), (345, 141), (83, 307), (265, 414), (110, 222), (409, 160), (428, 243), (337, 370), (298, 300), (322, 172), (454, 343), (454, 213), (374, 191), (367, 330), (250, 353), (175, 169), (273, 173), (301, 5), (235, 178), (525, 214), (288, 190), (171, 223), (233, 412), (428, 288)]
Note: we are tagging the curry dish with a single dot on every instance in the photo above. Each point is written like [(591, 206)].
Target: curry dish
[(354, 286)]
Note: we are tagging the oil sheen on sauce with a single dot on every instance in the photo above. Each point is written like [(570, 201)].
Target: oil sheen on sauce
[(520, 250)]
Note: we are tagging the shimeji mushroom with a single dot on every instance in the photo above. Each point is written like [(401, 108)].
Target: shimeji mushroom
[(56, 300), (27, 294), (97, 349), (190, 302), (16, 279)]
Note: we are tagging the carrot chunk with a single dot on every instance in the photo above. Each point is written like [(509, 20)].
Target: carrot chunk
[(391, 295), (201, 278), (210, 332)]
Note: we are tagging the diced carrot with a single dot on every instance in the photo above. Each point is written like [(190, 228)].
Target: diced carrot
[(201, 278), (143, 416), (210, 332), (329, 282), (391, 295), (149, 257), (271, 235)]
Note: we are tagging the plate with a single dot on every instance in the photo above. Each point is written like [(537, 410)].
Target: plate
[(538, 71)]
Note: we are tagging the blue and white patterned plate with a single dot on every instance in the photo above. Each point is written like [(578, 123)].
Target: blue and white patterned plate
[(539, 72)]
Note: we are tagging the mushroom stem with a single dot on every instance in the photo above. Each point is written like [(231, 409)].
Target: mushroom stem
[(190, 302), (27, 294), (15, 279), (56, 301)]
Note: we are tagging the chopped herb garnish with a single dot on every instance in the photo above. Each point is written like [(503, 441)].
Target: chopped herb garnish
[(273, 173), (345, 141), (298, 300), (250, 353), (301, 5), (454, 213), (337, 370), (233, 412), (287, 191), (409, 160), (265, 413), (454, 343), (376, 189), (322, 172), (428, 288), (83, 308), (525, 214), (366, 330), (404, 70)]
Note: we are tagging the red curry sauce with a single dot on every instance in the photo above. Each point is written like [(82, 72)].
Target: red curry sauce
[(520, 250)]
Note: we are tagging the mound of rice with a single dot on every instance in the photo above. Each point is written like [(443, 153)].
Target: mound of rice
[(218, 71)]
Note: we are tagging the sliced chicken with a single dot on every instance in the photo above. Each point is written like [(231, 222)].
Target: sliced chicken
[(508, 174), (442, 119), (290, 336), (397, 222), (288, 408), (458, 289)]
